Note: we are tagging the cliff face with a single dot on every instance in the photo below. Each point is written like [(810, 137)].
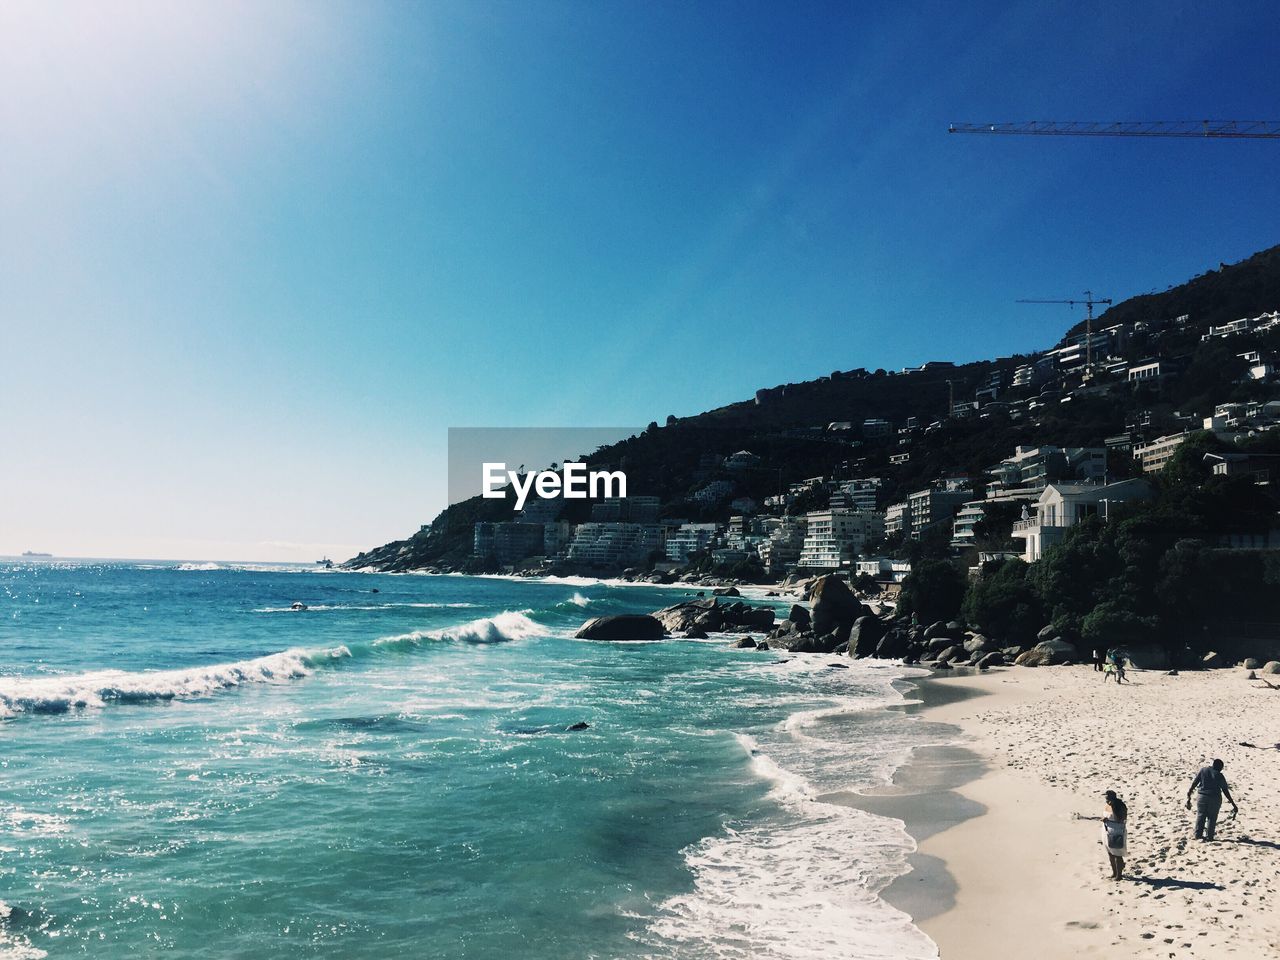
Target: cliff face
[(786, 425)]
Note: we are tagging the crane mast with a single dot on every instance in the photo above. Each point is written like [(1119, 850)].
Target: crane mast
[(1088, 302)]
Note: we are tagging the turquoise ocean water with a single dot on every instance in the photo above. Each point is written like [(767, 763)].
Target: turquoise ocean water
[(189, 768)]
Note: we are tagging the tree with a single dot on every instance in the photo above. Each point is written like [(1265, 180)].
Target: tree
[(1004, 604), (932, 591)]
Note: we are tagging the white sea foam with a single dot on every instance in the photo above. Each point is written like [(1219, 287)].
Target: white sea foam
[(58, 694), (802, 887), (578, 600), (803, 883), (508, 625)]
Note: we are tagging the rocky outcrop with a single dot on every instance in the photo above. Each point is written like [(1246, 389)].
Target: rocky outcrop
[(625, 626), (726, 592), (980, 644), (865, 636), (800, 617), (711, 616), (1048, 653), (835, 608)]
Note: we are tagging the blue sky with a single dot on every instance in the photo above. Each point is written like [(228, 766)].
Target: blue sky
[(258, 258)]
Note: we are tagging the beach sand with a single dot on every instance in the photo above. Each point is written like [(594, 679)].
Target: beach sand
[(1008, 866)]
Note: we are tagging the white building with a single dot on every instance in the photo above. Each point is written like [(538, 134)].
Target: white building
[(1154, 455), (1063, 505), (834, 537), (690, 538), (612, 545)]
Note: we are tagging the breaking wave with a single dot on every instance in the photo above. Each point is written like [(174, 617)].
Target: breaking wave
[(508, 625), (98, 688)]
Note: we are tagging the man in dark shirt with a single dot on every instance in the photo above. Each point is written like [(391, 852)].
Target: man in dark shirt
[(1210, 786)]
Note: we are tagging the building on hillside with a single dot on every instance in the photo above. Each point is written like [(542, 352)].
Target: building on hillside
[(507, 543), (690, 538), (714, 492), (895, 519), (973, 512), (1061, 506), (782, 545), (1259, 466), (1154, 455), (834, 537), (862, 494), (1032, 468), (882, 569), (934, 506), (556, 537), (613, 545)]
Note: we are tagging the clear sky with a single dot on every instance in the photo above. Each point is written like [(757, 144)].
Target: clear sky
[(256, 258)]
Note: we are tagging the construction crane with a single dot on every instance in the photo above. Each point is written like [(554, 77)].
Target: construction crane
[(1204, 129), (1088, 302)]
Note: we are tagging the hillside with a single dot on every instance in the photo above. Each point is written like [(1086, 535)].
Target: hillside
[(789, 427)]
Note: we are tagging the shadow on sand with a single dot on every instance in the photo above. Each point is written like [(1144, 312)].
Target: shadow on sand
[(1173, 883)]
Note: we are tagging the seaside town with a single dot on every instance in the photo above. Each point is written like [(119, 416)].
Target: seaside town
[(1018, 507), (1192, 481)]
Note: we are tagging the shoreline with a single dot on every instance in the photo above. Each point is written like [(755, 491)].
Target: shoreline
[(1005, 817)]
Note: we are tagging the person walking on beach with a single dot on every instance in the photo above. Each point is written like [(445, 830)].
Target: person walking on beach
[(1210, 786), (1115, 833), (1098, 656)]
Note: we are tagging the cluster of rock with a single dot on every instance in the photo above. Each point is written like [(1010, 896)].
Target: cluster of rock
[(838, 622), (692, 619)]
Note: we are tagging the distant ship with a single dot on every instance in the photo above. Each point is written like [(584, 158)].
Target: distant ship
[(32, 553), (326, 563)]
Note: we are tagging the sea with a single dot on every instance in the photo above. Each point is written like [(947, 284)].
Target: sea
[(191, 768)]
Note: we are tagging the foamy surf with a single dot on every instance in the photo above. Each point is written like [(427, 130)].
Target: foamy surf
[(804, 882), (505, 626), (60, 694), (805, 887)]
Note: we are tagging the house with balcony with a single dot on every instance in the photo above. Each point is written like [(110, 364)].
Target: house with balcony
[(1061, 506)]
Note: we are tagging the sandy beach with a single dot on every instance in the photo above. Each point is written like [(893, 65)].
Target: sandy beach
[(1008, 828)]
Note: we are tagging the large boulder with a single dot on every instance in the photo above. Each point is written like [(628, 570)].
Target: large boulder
[(935, 630), (993, 659), (1251, 663), (813, 643), (1213, 660), (938, 644), (980, 644), (894, 645), (1271, 666), (1047, 633), (624, 626), (799, 616), (866, 633), (953, 652), (834, 606), (726, 592), (704, 614), (1048, 653)]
